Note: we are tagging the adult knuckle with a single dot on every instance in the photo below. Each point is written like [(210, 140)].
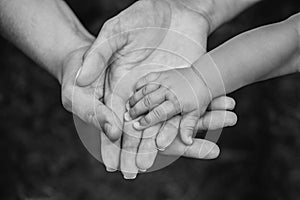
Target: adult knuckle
[(157, 113)]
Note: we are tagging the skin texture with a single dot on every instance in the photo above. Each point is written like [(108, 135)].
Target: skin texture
[(41, 25), (177, 37), (169, 93), (178, 91)]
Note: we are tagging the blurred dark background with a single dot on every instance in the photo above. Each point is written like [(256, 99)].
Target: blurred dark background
[(42, 156)]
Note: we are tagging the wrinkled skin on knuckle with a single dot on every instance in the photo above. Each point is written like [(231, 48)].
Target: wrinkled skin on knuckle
[(187, 128), (188, 124), (158, 113)]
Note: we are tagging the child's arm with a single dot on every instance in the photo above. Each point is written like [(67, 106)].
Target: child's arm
[(261, 53), (256, 55)]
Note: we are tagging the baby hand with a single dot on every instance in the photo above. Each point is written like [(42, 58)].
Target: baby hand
[(168, 93)]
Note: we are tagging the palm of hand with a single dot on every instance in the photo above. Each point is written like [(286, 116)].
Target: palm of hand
[(153, 43), (176, 38)]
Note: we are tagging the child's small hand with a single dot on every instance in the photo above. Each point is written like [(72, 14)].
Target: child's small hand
[(168, 93)]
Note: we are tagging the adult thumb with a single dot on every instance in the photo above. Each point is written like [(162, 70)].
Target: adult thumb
[(96, 59)]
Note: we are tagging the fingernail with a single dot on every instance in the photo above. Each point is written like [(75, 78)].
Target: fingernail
[(109, 169), (161, 148), (107, 128), (215, 152), (127, 117), (190, 140), (233, 121), (129, 176), (143, 170), (137, 125)]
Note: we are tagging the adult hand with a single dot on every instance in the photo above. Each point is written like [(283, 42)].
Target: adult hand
[(148, 36), (85, 102)]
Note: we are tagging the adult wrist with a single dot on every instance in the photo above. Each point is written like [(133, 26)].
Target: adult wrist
[(218, 12)]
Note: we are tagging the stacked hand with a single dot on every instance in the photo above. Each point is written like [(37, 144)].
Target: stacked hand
[(149, 36), (138, 73)]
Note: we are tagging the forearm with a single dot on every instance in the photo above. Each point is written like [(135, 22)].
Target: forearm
[(262, 53), (217, 12), (45, 30), (225, 10)]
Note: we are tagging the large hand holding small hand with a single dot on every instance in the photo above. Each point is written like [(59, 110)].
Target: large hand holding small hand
[(149, 36)]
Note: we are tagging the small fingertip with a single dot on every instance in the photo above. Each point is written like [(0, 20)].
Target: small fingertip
[(127, 117), (137, 126), (186, 139), (190, 140)]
